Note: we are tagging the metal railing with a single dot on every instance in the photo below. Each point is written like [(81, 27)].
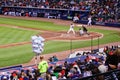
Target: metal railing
[(110, 75)]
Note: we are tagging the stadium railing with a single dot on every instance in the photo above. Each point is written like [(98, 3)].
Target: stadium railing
[(110, 75)]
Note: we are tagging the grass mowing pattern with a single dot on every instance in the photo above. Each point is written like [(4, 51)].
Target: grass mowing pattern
[(32, 24), (15, 55), (22, 54), (13, 35)]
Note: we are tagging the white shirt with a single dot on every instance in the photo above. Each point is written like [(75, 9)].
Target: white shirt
[(89, 19), (81, 32), (72, 26)]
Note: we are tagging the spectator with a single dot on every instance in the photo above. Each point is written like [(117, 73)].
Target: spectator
[(87, 72), (55, 59), (43, 67), (75, 19), (114, 59), (85, 30), (102, 68)]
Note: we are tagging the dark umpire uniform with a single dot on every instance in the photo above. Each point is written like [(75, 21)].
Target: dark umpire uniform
[(85, 30)]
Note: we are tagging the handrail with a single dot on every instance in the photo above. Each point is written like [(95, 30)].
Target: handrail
[(112, 74)]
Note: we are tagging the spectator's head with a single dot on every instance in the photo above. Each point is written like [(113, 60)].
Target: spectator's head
[(41, 57), (5, 78), (117, 52), (54, 56)]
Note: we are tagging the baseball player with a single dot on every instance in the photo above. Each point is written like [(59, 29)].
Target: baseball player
[(81, 32), (71, 29), (89, 21), (85, 30)]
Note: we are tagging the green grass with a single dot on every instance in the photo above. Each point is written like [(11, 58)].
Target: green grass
[(15, 55), (109, 36), (13, 35), (33, 24), (22, 54)]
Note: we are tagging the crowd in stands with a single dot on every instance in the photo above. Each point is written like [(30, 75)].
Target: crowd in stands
[(106, 11), (100, 10), (59, 4), (92, 63)]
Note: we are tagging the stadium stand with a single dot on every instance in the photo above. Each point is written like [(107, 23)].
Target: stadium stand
[(88, 66), (82, 65), (103, 12)]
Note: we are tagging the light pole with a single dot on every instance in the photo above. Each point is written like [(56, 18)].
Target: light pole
[(70, 46), (91, 44), (98, 44)]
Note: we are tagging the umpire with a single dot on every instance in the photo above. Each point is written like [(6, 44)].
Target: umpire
[(85, 30)]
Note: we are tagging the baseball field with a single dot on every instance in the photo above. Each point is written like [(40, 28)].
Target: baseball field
[(16, 32)]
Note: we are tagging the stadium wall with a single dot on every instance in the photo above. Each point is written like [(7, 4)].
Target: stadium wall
[(65, 14)]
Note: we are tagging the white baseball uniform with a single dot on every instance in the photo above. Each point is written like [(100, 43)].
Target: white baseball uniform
[(89, 21), (71, 29)]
